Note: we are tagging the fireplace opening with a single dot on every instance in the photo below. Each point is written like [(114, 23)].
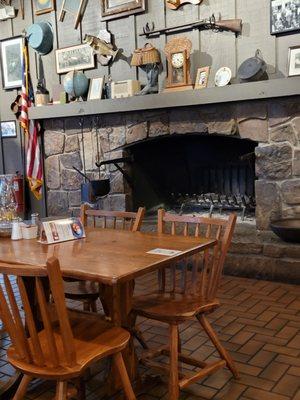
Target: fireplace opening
[(195, 174)]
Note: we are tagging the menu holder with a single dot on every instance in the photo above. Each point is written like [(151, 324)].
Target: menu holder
[(61, 230)]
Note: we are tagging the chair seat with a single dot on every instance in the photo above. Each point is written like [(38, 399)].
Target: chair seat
[(171, 306), (81, 290), (94, 339)]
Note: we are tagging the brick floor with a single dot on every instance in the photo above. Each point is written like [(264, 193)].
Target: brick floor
[(258, 322)]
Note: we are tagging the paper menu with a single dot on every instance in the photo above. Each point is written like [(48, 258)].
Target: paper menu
[(61, 230), (164, 252)]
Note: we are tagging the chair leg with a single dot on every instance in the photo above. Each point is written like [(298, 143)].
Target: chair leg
[(93, 306), (81, 392), (61, 391), (22, 389), (119, 363), (86, 305), (174, 378), (221, 350), (139, 337)]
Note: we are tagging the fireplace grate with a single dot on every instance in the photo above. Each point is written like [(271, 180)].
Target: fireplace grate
[(213, 202)]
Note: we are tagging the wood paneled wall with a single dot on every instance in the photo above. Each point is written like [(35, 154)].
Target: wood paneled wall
[(209, 48)]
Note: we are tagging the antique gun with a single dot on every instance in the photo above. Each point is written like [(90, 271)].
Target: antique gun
[(231, 25)]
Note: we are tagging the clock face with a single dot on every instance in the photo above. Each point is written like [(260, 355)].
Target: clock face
[(177, 60)]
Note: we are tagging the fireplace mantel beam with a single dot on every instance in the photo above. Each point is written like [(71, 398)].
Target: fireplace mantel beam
[(274, 88)]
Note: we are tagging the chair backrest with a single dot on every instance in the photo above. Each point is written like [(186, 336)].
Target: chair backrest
[(202, 274), (113, 219), (22, 326)]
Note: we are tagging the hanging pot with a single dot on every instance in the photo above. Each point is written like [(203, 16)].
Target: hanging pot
[(253, 69), (93, 189), (40, 37)]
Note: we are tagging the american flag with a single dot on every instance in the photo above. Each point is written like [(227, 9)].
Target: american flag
[(34, 164)]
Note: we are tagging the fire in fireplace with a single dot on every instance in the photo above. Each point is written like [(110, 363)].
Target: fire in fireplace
[(195, 173)]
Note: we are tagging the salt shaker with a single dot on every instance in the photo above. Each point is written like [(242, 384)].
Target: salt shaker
[(16, 232)]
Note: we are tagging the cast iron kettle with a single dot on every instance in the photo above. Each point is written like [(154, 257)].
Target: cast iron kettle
[(253, 69)]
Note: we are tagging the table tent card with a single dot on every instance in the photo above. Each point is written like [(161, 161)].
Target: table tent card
[(61, 230)]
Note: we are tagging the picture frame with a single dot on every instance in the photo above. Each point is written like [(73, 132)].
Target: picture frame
[(43, 7), (75, 7), (294, 61), (11, 54), (79, 57), (96, 89), (202, 78), (8, 129), (284, 16), (112, 9)]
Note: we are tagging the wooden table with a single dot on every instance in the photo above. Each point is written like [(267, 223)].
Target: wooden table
[(111, 257)]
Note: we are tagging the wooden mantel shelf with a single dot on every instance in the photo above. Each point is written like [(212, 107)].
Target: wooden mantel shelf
[(233, 93)]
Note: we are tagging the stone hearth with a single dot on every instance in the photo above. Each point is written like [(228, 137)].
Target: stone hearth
[(274, 124)]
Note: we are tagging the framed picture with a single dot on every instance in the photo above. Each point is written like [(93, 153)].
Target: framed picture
[(11, 62), (294, 61), (96, 88), (72, 58), (75, 7), (111, 9), (285, 16), (202, 78), (43, 6), (8, 129)]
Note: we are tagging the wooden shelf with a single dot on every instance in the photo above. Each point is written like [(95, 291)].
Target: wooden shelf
[(233, 93)]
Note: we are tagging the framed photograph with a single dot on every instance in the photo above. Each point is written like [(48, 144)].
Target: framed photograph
[(111, 9), (43, 6), (8, 129), (202, 78), (11, 62), (294, 61), (96, 88), (285, 16), (72, 58)]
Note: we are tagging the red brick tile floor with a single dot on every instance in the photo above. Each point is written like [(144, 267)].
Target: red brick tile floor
[(258, 322)]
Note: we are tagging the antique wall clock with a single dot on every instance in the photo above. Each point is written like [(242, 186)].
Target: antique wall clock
[(178, 51)]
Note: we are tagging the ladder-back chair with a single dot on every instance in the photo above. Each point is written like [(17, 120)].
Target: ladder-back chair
[(86, 291), (188, 290), (68, 342)]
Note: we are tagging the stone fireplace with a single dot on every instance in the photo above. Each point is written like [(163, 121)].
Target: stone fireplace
[(249, 148)]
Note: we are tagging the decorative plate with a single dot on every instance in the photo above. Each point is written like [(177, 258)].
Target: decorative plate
[(223, 76)]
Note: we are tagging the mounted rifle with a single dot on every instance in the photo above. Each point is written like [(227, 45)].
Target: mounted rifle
[(230, 25)]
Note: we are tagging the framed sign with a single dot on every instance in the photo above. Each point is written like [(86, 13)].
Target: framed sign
[(8, 129), (111, 9), (202, 78), (43, 6), (285, 16), (96, 88), (72, 58), (11, 62), (294, 61)]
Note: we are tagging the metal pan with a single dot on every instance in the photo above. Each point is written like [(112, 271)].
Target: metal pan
[(253, 69), (287, 229)]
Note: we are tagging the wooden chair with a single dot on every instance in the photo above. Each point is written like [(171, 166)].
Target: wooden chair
[(85, 291), (188, 291), (69, 341)]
